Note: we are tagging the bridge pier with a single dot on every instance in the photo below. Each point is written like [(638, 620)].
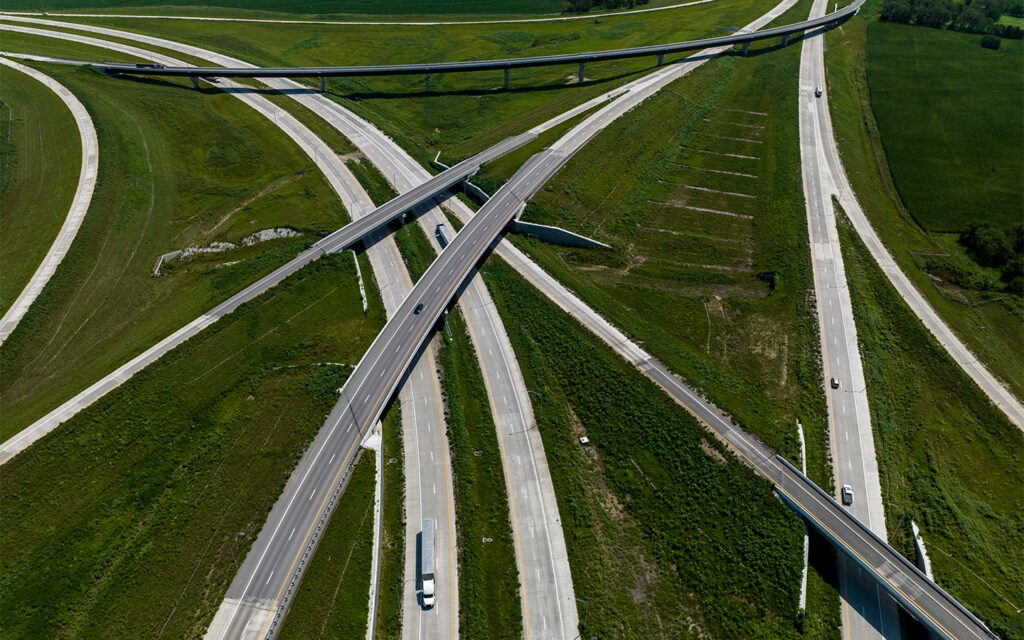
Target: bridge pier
[(785, 39), (746, 46), (323, 85), (506, 78), (583, 66), (195, 82), (428, 83), (661, 59)]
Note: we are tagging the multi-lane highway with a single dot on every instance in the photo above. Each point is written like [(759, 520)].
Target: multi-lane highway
[(867, 611), (79, 202)]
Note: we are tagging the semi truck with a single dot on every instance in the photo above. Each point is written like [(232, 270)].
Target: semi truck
[(427, 562)]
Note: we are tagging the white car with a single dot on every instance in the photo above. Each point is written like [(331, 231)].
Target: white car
[(847, 494), (817, 91)]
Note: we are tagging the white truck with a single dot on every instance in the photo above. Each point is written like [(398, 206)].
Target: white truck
[(427, 562)]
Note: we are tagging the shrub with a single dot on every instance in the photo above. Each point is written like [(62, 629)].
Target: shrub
[(990, 42)]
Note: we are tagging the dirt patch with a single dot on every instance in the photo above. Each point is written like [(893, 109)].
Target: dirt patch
[(712, 452), (355, 156), (269, 188)]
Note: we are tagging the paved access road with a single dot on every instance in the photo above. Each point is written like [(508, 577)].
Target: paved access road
[(867, 611), (79, 203)]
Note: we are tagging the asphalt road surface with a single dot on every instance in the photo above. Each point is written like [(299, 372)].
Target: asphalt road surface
[(867, 611), (79, 203)]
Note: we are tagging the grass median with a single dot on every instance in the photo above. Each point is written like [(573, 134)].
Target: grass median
[(128, 520)]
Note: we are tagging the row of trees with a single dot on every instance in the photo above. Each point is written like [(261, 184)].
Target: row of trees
[(583, 6), (970, 16)]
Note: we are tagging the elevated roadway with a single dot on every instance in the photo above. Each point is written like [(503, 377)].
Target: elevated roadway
[(743, 37)]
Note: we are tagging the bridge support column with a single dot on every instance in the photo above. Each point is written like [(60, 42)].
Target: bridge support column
[(583, 66), (746, 46), (428, 83), (661, 59), (195, 82), (323, 85), (506, 79), (785, 39)]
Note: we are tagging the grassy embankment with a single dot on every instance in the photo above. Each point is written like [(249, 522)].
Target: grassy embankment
[(990, 324), (464, 113), (124, 522), (668, 534), (40, 162), (709, 264), (488, 577), (178, 169), (948, 459), (277, 8), (392, 560), (332, 599)]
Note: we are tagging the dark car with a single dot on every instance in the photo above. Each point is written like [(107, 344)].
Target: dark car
[(418, 308)]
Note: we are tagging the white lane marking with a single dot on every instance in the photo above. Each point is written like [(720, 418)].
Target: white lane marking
[(332, 458), (311, 495), (291, 534), (268, 578)]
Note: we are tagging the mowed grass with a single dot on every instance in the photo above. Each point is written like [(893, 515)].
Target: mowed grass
[(489, 601), (40, 160), (304, 7), (178, 168), (392, 558), (698, 193), (948, 112), (990, 325), (949, 460), (332, 600), (464, 113), (123, 522), (668, 534)]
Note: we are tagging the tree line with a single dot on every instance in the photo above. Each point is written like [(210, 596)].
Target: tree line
[(969, 16), (583, 6)]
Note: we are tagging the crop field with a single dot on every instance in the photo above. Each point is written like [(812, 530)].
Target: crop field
[(40, 159), (331, 601), (948, 459), (489, 603), (309, 7), (464, 113), (158, 191), (668, 535), (954, 160), (698, 193), (124, 522), (991, 325)]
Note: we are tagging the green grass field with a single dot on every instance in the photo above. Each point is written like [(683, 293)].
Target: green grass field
[(308, 7), (392, 559), (177, 169), (332, 600), (40, 160), (947, 112), (489, 604), (464, 113), (123, 522), (668, 534), (709, 264), (948, 459), (990, 325)]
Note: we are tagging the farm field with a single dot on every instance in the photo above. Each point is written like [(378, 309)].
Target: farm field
[(948, 459), (39, 166), (464, 113), (954, 159), (991, 324), (157, 191), (175, 471)]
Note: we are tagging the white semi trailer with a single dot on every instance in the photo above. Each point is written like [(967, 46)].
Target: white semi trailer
[(427, 562)]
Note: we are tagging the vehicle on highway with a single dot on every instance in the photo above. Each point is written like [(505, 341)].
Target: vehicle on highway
[(418, 308), (847, 494), (427, 561), (817, 92), (441, 238), (834, 382), (148, 65)]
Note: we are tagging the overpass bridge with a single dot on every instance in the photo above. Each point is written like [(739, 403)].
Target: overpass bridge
[(741, 37)]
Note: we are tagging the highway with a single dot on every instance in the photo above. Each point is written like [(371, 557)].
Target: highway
[(79, 202), (867, 612), (741, 37)]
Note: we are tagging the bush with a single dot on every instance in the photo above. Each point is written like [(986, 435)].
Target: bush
[(990, 42), (988, 245)]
